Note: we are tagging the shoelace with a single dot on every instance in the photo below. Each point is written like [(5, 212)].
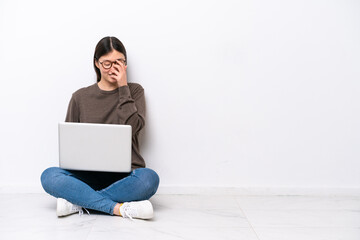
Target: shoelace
[(80, 210), (129, 212)]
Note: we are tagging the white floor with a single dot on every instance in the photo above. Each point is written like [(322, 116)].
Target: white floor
[(32, 216)]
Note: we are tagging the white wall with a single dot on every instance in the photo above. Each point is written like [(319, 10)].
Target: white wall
[(239, 93)]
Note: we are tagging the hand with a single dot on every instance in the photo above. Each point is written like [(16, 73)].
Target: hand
[(119, 73)]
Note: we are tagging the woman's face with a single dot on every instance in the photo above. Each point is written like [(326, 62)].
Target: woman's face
[(106, 65)]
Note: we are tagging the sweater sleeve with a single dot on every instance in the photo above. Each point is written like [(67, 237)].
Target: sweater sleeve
[(73, 114), (131, 108)]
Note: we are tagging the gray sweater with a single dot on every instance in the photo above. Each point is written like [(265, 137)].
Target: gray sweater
[(124, 105)]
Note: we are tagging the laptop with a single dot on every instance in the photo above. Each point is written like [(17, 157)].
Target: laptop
[(95, 147)]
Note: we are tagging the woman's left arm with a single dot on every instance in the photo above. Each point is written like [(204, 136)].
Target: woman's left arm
[(131, 107)]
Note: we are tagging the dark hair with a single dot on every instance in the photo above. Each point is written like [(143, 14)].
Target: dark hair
[(104, 46)]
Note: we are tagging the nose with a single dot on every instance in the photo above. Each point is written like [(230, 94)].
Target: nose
[(110, 70)]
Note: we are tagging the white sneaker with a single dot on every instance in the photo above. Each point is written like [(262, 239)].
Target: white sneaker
[(141, 210), (65, 208)]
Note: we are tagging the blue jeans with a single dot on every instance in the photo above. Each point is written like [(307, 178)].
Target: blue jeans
[(99, 190)]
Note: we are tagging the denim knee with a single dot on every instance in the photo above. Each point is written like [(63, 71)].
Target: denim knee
[(150, 179), (48, 178)]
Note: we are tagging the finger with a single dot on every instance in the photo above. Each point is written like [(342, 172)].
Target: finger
[(121, 64), (117, 68), (115, 73), (114, 76)]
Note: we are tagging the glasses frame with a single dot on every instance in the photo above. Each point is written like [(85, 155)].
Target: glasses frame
[(112, 62)]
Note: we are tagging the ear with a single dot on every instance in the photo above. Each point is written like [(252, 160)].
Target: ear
[(96, 63)]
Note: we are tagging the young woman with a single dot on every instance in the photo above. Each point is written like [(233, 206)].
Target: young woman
[(112, 100)]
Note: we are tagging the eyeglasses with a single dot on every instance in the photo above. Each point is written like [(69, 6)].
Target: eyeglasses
[(108, 64)]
